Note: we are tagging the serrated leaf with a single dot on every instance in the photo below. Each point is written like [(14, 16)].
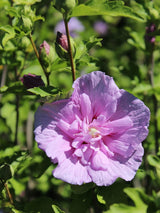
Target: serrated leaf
[(10, 33), (93, 41), (12, 12), (44, 91), (37, 18), (113, 8)]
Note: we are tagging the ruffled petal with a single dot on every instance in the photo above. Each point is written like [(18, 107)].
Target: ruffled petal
[(99, 161), (72, 171), (118, 168), (100, 88), (128, 105)]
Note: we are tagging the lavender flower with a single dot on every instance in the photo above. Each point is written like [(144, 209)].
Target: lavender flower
[(96, 134), (101, 27), (74, 25)]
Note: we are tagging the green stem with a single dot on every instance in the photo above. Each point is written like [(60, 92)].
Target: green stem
[(37, 55), (69, 49), (7, 192), (17, 120)]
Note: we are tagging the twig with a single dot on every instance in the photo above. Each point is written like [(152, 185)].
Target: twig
[(37, 55), (69, 49), (3, 79), (7, 192), (17, 120)]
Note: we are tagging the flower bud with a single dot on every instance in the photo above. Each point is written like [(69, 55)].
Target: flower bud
[(31, 81), (64, 6), (62, 46), (62, 40), (43, 54)]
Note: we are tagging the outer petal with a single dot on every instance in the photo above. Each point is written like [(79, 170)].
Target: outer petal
[(122, 168), (46, 119), (49, 137), (128, 105), (72, 171), (101, 90)]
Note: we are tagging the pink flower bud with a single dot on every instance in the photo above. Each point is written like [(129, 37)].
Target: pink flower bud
[(31, 81), (62, 40), (46, 46)]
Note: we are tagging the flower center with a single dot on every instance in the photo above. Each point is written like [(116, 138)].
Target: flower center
[(94, 132)]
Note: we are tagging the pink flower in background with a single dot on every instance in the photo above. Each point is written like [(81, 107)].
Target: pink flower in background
[(96, 134)]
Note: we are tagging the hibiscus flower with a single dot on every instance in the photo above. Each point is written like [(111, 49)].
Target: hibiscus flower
[(96, 135)]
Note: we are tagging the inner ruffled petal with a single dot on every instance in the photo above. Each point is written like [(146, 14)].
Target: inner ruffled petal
[(120, 125), (86, 108), (99, 161)]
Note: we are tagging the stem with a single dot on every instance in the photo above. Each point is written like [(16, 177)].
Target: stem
[(69, 49), (37, 55), (155, 101), (8, 192), (17, 120), (3, 79)]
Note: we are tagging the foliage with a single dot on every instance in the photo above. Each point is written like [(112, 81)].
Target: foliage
[(127, 52)]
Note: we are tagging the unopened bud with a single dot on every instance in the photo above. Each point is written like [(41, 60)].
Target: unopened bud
[(62, 40), (62, 47), (43, 54), (31, 80), (44, 46)]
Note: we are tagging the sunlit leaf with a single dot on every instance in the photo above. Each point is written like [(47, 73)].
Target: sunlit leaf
[(25, 2), (44, 91), (108, 8), (57, 209), (10, 33)]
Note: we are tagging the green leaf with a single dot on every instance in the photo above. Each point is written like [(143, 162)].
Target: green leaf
[(57, 209), (139, 198), (109, 8), (15, 88), (154, 161), (10, 33), (137, 40), (108, 195), (82, 189), (44, 91), (40, 205), (25, 2), (93, 41), (136, 195), (5, 172), (12, 12)]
